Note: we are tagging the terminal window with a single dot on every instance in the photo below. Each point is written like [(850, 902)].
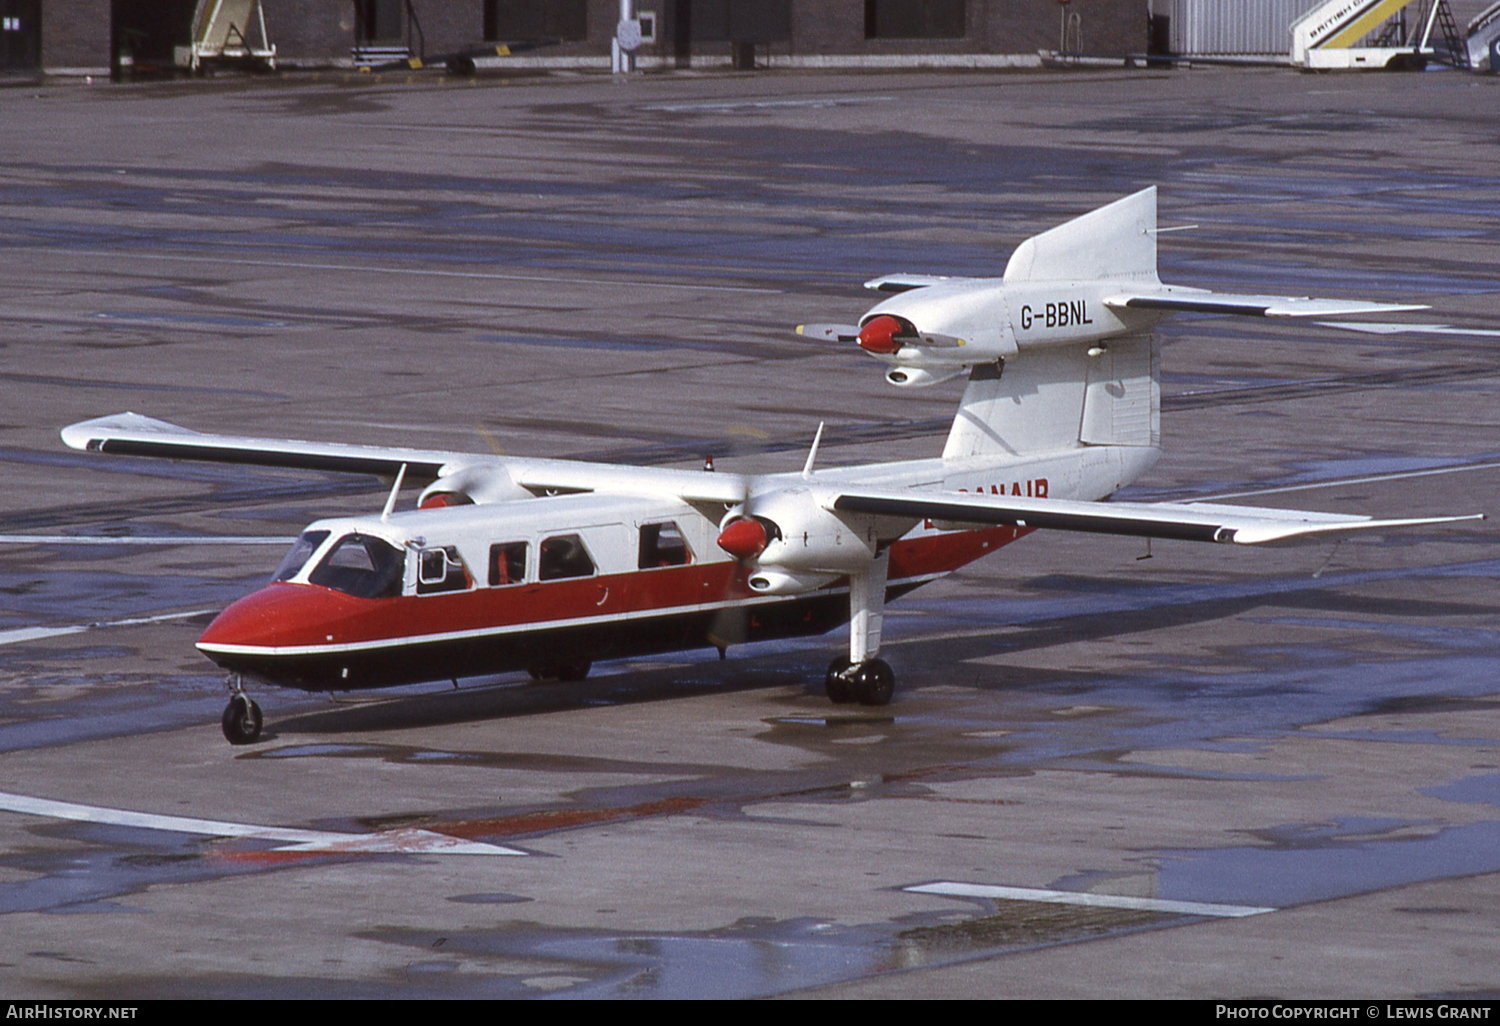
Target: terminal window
[(914, 19), (512, 21)]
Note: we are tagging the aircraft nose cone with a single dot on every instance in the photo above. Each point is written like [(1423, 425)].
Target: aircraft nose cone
[(878, 335), (277, 616), (743, 538)]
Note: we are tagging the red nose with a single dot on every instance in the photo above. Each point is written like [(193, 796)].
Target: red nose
[(743, 538), (879, 335), (282, 615)]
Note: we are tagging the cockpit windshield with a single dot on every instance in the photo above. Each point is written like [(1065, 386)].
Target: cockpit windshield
[(361, 566), (302, 549)]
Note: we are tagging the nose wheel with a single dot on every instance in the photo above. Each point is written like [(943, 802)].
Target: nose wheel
[(242, 718)]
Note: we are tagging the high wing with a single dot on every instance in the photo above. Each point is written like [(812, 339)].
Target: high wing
[(1190, 521), (1178, 298), (131, 434)]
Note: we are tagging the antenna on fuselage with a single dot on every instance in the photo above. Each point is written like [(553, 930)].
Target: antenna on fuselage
[(812, 453), (390, 502)]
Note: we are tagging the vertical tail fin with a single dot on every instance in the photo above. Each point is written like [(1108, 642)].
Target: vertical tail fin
[(1059, 397), (1117, 241)]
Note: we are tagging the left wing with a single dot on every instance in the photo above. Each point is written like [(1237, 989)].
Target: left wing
[(1189, 521), (130, 434)]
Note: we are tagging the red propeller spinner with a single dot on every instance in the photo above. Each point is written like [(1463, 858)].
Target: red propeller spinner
[(878, 335), (744, 538)]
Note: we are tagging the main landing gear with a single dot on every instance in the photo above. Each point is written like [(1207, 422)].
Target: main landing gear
[(560, 671), (242, 719), (868, 683), (860, 676)]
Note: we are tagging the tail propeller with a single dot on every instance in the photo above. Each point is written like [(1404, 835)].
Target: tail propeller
[(882, 335)]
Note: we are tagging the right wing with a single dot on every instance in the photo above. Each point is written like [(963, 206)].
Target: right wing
[(1189, 300), (1184, 521)]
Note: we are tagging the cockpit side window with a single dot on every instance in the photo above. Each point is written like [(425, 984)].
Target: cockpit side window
[(440, 570), (361, 566), (563, 555), (302, 549), (663, 545)]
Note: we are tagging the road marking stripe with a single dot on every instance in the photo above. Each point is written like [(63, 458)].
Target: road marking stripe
[(951, 889), (429, 272), (405, 841), (1395, 328), (103, 539), (1395, 475), (20, 634)]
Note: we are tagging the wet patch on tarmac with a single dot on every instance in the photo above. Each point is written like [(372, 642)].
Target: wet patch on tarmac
[(1307, 862), (752, 958)]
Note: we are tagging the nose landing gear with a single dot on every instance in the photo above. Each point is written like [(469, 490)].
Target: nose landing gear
[(242, 719)]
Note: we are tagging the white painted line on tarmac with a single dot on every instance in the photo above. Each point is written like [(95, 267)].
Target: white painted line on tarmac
[(404, 842), (951, 889), (21, 634), (1392, 328), (429, 272), (106, 539), (1395, 475)]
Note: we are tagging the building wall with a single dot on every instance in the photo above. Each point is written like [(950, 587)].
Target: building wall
[(83, 35), (308, 31), (76, 36)]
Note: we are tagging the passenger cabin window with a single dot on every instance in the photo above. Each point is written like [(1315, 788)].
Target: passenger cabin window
[(440, 570), (563, 555), (663, 545), (361, 566), (302, 549), (507, 564)]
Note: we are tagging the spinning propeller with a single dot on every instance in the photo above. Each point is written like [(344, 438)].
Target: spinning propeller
[(883, 335)]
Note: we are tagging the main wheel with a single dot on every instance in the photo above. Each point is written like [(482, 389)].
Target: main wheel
[(560, 671), (872, 682), (242, 720), (836, 681)]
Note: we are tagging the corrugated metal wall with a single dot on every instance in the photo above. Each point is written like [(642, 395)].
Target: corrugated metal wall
[(1232, 27)]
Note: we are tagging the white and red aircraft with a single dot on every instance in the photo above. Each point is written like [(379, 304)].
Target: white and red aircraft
[(512, 563)]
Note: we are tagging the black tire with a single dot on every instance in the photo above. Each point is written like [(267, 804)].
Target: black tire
[(560, 671), (242, 721), (873, 682), (836, 682)]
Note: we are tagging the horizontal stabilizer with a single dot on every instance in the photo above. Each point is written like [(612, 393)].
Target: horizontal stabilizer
[(1193, 521), (1204, 301)]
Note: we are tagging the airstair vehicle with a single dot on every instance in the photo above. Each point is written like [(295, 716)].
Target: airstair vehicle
[(1344, 34), (1483, 39), (222, 33)]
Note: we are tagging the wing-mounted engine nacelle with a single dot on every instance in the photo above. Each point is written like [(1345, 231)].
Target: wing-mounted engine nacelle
[(920, 377), (790, 532), (471, 484), (781, 582)]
